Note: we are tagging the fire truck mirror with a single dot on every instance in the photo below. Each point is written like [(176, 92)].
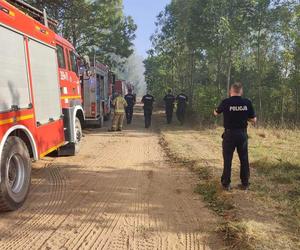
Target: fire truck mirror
[(15, 107)]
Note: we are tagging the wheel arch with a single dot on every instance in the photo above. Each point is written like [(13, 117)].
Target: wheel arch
[(79, 113), (23, 133)]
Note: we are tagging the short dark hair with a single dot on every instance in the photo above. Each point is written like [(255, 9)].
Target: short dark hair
[(237, 87)]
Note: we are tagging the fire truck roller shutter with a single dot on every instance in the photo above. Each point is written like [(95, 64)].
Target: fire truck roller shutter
[(14, 86), (45, 82)]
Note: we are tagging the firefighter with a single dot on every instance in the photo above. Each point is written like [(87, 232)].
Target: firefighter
[(119, 103), (169, 100), (182, 101), (131, 100), (148, 101), (237, 112)]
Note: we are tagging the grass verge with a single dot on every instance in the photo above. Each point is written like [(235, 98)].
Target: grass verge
[(266, 217)]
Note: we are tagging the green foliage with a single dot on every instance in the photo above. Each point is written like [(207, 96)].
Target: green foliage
[(96, 28), (201, 47)]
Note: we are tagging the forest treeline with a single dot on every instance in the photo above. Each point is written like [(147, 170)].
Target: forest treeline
[(96, 28), (202, 46)]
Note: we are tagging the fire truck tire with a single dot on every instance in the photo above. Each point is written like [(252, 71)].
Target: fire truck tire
[(78, 133), (15, 174), (107, 117)]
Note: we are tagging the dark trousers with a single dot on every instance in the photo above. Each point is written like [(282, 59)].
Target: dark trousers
[(129, 114), (169, 113), (180, 114), (235, 139), (147, 115)]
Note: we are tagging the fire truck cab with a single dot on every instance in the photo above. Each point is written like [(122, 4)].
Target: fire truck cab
[(40, 101), (70, 94)]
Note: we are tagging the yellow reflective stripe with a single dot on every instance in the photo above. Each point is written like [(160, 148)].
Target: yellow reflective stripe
[(7, 121), (119, 111), (11, 13), (71, 97), (51, 150), (24, 117), (16, 119)]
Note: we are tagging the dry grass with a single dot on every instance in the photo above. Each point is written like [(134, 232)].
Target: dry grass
[(252, 235), (266, 217)]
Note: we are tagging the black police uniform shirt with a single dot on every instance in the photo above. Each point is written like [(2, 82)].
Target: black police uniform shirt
[(130, 99), (237, 111), (182, 99), (148, 101), (169, 100)]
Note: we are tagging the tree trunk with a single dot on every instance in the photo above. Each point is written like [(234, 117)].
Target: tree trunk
[(229, 71), (219, 75), (192, 65), (260, 102), (259, 69), (297, 105), (282, 110)]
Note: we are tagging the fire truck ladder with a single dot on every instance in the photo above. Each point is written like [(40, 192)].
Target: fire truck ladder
[(35, 13)]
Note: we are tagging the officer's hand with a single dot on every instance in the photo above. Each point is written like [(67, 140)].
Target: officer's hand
[(253, 121)]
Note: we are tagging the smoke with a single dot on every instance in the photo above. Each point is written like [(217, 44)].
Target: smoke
[(133, 71)]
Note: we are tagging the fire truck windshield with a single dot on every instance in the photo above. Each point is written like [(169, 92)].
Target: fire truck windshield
[(74, 62)]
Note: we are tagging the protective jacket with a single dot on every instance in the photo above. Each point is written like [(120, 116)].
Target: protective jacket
[(120, 104)]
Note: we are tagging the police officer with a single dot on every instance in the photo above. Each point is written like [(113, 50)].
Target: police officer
[(169, 105), (148, 101), (182, 101), (237, 112), (131, 100), (119, 104)]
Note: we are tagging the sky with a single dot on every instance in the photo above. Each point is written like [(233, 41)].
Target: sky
[(144, 13)]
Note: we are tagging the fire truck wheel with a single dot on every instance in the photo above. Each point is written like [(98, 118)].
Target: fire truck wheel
[(78, 133), (107, 117), (15, 174)]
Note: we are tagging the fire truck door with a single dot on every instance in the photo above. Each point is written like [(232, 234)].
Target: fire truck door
[(98, 95), (102, 89)]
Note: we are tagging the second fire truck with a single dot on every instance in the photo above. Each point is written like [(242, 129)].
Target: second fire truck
[(96, 83)]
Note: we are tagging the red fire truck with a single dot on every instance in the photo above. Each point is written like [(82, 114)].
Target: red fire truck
[(96, 80), (122, 87), (40, 99)]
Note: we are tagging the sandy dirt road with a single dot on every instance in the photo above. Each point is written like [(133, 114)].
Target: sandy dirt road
[(120, 192)]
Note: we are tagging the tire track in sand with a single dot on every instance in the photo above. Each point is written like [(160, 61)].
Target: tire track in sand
[(28, 232), (119, 193)]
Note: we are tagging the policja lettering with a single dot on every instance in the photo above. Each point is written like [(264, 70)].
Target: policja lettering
[(238, 108)]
